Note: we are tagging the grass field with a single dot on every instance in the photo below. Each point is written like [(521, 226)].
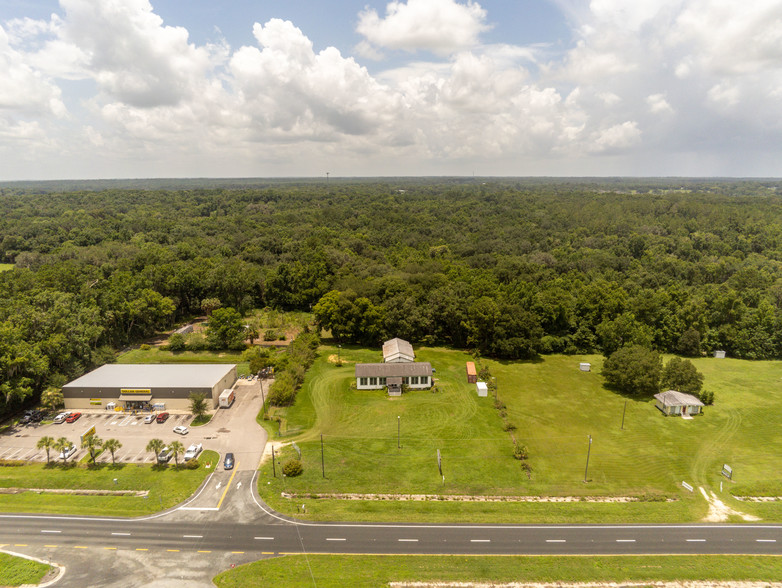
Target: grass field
[(167, 487), (157, 355), (360, 570), (15, 571), (555, 408), (4, 267)]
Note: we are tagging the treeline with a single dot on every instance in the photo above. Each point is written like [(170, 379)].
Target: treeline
[(511, 268), (290, 370)]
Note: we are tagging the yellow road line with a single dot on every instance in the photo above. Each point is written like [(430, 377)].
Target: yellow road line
[(199, 551), (50, 546), (114, 548), (227, 486), (237, 552), (141, 549), (20, 544), (173, 550), (267, 553), (80, 547)]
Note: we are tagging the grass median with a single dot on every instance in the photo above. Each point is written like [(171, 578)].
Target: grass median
[(166, 486), (327, 571), (18, 571)]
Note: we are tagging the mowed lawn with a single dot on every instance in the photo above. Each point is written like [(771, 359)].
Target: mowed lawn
[(555, 408)]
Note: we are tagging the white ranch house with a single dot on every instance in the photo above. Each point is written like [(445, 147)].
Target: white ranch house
[(397, 351), (398, 369), (678, 403)]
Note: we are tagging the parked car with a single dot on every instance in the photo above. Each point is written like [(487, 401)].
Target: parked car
[(162, 417), (73, 417), (165, 455), (181, 430), (150, 418), (193, 451), (67, 452), (60, 418), (36, 416), (229, 461)]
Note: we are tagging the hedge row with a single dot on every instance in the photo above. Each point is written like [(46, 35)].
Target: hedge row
[(289, 374)]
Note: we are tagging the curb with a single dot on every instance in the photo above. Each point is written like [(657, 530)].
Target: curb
[(60, 569)]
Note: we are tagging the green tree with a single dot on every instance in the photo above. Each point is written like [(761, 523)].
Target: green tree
[(61, 445), (258, 358), (690, 343), (112, 446), (46, 443), (209, 305), (198, 405), (155, 446), (176, 342), (177, 449), (225, 329), (92, 443), (680, 374), (52, 397), (633, 370)]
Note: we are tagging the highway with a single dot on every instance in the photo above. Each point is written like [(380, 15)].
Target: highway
[(280, 537)]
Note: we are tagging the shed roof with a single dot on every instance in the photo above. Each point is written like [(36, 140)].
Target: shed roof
[(389, 370), (471, 369), (119, 375), (397, 347), (674, 398)]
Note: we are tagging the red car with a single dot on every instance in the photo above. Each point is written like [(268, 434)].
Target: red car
[(161, 418), (73, 417)]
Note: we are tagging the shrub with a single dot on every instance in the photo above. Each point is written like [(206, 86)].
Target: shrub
[(269, 335), (520, 451), (191, 464), (176, 342), (196, 342), (506, 426), (707, 397), (292, 468), (145, 347), (11, 463)]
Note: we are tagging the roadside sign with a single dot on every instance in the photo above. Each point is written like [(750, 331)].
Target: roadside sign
[(439, 463), (88, 433), (727, 471)]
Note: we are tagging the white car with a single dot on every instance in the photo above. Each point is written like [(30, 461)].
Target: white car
[(193, 451), (66, 453), (60, 418), (181, 430), (150, 418)]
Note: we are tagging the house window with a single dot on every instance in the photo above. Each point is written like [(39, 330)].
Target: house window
[(414, 380), (425, 380), (405, 380), (373, 381), (382, 381), (362, 381)]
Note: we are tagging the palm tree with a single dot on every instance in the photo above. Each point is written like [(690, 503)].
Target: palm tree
[(177, 449), (155, 446), (61, 445), (92, 443), (112, 445), (45, 443)]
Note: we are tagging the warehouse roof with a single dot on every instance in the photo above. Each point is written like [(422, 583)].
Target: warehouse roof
[(118, 375)]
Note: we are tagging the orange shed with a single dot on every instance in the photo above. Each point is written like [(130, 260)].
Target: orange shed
[(472, 375)]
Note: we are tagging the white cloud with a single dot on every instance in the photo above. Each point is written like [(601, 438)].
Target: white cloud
[(616, 137), (658, 104), (440, 26)]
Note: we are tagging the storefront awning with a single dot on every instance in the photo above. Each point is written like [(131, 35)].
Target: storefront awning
[(135, 397)]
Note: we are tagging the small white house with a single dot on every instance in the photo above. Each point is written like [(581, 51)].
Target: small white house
[(398, 351), (719, 354), (483, 390), (673, 402), (585, 367)]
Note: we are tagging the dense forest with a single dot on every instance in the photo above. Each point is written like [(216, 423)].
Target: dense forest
[(510, 268)]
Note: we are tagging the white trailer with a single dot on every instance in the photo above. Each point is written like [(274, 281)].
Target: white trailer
[(226, 398)]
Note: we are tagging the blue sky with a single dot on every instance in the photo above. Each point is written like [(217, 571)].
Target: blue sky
[(183, 88)]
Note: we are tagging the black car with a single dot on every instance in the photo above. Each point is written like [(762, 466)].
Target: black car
[(229, 461)]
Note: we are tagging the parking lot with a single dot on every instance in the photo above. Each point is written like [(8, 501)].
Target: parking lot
[(233, 429)]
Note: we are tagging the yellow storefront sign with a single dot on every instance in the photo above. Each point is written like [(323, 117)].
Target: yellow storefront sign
[(96, 401), (131, 391)]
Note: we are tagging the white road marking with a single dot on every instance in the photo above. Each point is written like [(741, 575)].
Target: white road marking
[(264, 538), (410, 540), (192, 536), (480, 540), (239, 485), (766, 540), (625, 540), (123, 534), (218, 485), (335, 539), (696, 540), (556, 541), (113, 423), (48, 531)]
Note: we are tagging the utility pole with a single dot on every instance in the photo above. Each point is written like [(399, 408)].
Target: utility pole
[(274, 467), (398, 431), (322, 459), (623, 416), (589, 449)]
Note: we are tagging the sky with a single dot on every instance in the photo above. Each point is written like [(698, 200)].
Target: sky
[(196, 88)]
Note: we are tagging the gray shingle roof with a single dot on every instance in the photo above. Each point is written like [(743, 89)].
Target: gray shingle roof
[(388, 370), (674, 398)]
